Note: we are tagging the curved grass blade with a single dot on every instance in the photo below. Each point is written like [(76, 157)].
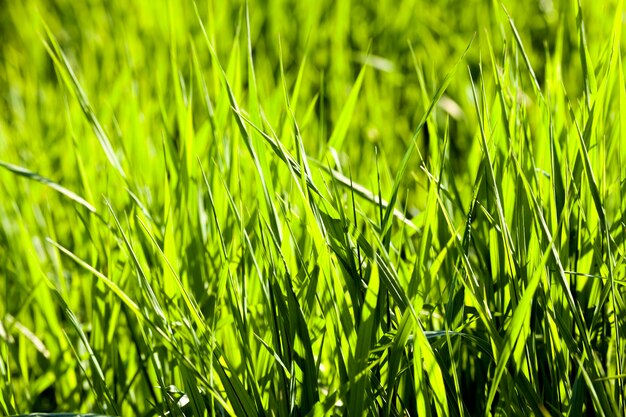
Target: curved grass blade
[(23, 172), (70, 80), (112, 285)]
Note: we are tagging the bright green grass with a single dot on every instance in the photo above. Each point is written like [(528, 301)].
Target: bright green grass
[(312, 208)]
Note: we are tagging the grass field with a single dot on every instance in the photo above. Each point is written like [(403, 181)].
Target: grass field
[(285, 208)]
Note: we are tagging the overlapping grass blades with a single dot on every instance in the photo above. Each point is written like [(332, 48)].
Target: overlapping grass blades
[(278, 209)]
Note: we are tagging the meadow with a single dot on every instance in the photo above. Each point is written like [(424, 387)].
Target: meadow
[(312, 208)]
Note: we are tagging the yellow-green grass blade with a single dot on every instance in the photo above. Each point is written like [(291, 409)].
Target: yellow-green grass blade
[(337, 138), (23, 172), (69, 78)]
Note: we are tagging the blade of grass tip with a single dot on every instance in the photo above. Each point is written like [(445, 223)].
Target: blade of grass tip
[(140, 204), (264, 192), (507, 240), (589, 77), (529, 67), (202, 86), (69, 78), (300, 152), (343, 122), (413, 144), (253, 94), (310, 112), (23, 172), (295, 93), (299, 169), (256, 146), (176, 80)]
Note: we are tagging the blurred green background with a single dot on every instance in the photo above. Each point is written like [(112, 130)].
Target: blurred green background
[(121, 47)]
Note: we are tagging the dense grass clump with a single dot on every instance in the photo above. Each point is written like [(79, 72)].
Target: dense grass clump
[(382, 207)]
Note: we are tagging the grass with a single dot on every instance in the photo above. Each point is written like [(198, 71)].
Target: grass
[(312, 208)]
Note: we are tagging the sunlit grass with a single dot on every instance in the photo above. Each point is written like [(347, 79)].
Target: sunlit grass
[(312, 208)]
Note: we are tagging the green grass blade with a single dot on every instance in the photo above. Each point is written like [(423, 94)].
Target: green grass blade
[(386, 224), (23, 172)]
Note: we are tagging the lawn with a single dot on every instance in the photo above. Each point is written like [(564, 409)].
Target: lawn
[(313, 208)]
